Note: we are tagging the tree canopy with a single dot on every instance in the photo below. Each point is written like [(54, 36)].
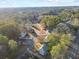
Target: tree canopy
[(50, 21), (57, 44)]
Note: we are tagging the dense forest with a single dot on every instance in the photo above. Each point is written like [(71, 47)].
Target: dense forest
[(39, 33)]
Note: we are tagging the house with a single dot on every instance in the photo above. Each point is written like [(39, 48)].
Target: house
[(33, 39), (26, 39), (43, 49)]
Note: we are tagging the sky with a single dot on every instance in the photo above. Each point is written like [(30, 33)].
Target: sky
[(37, 3)]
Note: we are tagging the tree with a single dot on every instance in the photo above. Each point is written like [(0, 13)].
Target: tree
[(10, 29), (75, 19), (3, 39), (58, 44), (53, 40), (3, 46), (12, 44), (50, 21), (66, 15), (13, 49)]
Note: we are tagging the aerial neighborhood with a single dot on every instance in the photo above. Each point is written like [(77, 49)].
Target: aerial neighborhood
[(39, 33)]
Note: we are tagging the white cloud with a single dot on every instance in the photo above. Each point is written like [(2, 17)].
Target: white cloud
[(76, 0), (54, 1)]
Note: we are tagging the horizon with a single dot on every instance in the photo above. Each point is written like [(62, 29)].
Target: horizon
[(37, 3), (40, 7)]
